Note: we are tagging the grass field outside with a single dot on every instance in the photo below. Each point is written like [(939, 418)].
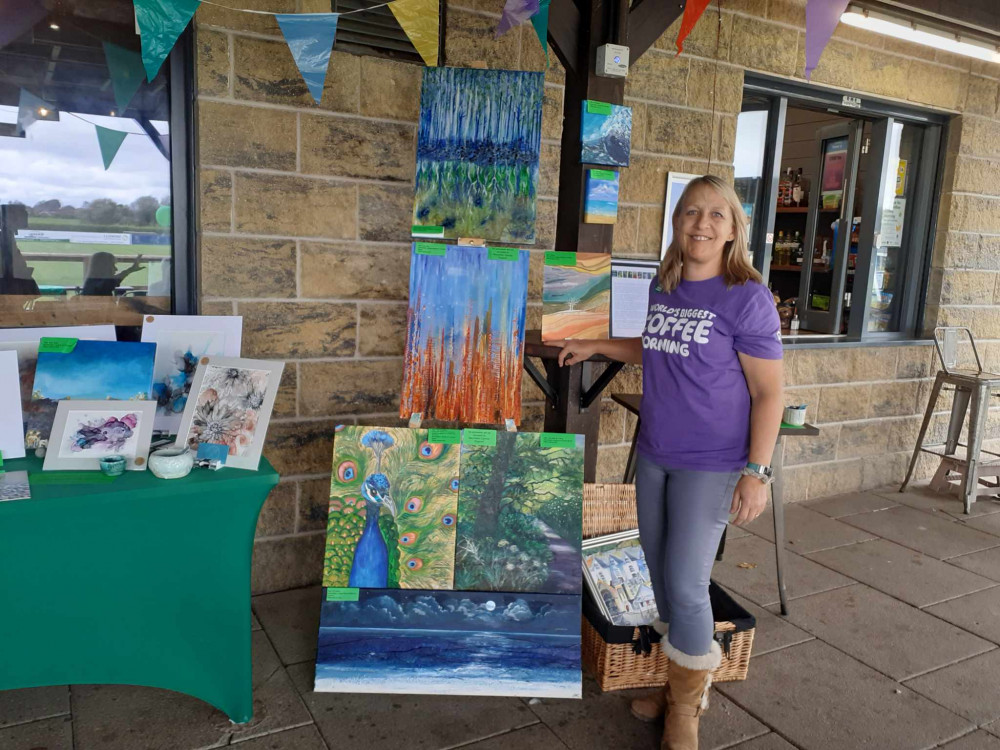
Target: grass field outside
[(70, 272)]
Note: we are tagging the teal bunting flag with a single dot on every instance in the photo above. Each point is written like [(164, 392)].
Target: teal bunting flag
[(160, 23), (541, 23), (310, 38), (125, 67), (110, 141)]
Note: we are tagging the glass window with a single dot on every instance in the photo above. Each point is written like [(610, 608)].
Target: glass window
[(85, 175), (751, 142)]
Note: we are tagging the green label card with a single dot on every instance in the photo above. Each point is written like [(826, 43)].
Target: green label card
[(557, 440), (598, 108), (503, 253), (430, 248), (558, 258), (433, 231), (60, 346), (479, 437), (603, 174), (342, 595), (445, 437)]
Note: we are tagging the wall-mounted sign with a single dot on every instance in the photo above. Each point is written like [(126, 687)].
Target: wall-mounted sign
[(854, 102)]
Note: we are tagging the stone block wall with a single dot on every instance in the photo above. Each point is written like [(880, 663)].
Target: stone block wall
[(305, 215)]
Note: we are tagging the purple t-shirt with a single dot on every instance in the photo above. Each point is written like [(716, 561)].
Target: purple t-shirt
[(695, 407)]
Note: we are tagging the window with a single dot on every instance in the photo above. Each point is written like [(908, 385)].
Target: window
[(93, 183), (839, 198)]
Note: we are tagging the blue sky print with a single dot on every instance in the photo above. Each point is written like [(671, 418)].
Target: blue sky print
[(606, 139), (600, 204), (451, 643), (116, 370)]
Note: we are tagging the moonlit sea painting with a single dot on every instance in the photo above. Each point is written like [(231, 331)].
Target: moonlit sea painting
[(450, 643), (477, 153), (606, 139), (465, 336)]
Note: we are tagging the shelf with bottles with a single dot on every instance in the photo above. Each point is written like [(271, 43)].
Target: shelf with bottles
[(792, 209), (793, 191)]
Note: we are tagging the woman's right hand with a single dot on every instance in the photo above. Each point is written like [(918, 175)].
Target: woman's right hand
[(575, 351)]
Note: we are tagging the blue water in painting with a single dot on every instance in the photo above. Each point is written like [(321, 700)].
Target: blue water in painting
[(602, 208), (606, 139)]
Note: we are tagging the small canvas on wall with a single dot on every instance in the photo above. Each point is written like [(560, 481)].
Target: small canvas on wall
[(450, 643), (605, 134), (115, 370), (393, 507), (576, 296), (230, 404), (600, 202), (85, 431), (181, 341)]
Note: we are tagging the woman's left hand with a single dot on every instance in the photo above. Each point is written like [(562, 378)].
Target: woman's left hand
[(749, 500)]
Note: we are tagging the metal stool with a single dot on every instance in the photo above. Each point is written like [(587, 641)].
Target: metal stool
[(972, 387)]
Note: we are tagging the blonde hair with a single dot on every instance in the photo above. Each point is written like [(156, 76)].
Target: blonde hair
[(736, 266)]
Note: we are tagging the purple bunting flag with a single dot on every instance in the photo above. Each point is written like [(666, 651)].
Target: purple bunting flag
[(822, 17), (516, 12)]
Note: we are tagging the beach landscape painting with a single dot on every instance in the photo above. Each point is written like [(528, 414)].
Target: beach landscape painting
[(600, 201), (520, 515), (393, 510), (605, 134), (465, 335), (576, 299), (450, 643), (478, 150)]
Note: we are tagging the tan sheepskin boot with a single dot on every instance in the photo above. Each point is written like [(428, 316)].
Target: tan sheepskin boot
[(687, 695), (651, 707)]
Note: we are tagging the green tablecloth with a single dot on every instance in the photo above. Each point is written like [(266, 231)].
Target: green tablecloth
[(139, 581)]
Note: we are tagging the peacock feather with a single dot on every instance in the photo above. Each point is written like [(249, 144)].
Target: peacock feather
[(418, 521)]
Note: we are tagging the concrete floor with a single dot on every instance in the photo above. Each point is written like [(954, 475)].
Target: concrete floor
[(891, 643)]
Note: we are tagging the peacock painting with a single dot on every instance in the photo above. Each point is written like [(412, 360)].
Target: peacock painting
[(393, 508)]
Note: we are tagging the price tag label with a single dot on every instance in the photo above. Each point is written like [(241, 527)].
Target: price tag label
[(59, 346), (479, 437), (559, 258), (503, 253), (557, 440), (430, 248), (342, 594), (598, 108), (603, 174), (426, 231), (444, 437)]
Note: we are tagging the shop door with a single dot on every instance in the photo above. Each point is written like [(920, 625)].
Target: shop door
[(829, 228)]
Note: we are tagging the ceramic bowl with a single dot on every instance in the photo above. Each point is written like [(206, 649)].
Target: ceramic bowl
[(171, 463), (113, 466)]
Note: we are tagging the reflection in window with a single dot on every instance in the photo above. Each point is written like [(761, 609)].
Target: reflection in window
[(85, 179)]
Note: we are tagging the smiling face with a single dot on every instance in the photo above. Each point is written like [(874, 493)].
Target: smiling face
[(704, 224)]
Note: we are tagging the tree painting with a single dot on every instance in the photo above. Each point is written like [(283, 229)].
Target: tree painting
[(520, 516)]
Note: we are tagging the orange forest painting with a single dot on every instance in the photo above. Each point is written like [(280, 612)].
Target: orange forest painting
[(465, 335), (576, 300)]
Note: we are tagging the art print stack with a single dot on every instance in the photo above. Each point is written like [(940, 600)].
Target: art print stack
[(452, 563)]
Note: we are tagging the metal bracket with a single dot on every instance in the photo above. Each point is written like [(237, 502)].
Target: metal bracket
[(542, 382), (588, 396)]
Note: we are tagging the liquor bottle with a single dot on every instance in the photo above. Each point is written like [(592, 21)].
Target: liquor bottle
[(779, 250), (797, 193), (785, 188), (798, 250), (804, 187)]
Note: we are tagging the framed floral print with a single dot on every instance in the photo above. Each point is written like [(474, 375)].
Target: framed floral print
[(230, 404), (86, 431)]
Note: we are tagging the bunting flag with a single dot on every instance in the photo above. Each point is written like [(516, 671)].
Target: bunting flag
[(822, 17), (125, 67), (541, 23), (160, 23), (421, 22), (692, 12), (310, 38), (31, 109), (18, 17), (516, 12), (110, 141)]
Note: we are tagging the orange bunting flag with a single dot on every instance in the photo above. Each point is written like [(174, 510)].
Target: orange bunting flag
[(421, 22), (692, 12)]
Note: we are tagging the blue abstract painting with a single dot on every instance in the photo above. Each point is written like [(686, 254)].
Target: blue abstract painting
[(605, 138), (106, 370), (450, 643), (477, 153), (600, 201), (465, 335)]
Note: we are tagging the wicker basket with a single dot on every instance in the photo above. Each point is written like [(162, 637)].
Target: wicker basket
[(608, 653)]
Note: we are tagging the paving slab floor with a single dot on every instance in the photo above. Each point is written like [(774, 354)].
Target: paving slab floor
[(892, 642)]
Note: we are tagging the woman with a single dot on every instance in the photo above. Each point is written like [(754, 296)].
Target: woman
[(710, 414)]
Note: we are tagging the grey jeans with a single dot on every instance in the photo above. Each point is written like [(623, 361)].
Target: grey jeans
[(682, 514)]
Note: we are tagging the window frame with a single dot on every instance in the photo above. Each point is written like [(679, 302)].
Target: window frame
[(783, 93)]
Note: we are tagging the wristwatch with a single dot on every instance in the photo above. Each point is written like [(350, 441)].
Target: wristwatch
[(764, 473)]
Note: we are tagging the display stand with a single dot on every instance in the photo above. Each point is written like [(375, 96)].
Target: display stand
[(570, 393)]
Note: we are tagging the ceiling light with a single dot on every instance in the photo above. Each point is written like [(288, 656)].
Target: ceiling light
[(112, 113), (928, 36), (54, 26), (43, 112)]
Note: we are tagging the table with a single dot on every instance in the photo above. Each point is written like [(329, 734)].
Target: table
[(568, 400), (138, 581), (630, 401)]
